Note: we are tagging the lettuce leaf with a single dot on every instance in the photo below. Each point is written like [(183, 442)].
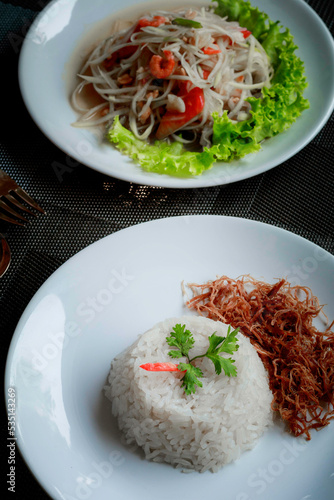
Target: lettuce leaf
[(279, 107), (160, 157)]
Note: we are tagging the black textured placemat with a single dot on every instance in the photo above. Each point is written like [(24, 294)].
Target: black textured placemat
[(83, 205)]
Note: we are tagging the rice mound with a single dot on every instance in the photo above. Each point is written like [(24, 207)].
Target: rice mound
[(201, 431)]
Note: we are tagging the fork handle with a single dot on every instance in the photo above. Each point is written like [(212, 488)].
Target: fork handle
[(5, 257)]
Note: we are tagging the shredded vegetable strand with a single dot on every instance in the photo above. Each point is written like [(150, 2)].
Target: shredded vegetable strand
[(133, 71)]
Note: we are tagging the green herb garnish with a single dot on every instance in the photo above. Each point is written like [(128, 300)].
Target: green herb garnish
[(182, 340), (186, 22)]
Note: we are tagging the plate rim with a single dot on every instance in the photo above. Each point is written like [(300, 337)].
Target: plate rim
[(24, 452), (170, 219), (163, 180)]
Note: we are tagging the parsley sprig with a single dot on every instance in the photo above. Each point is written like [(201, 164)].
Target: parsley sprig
[(182, 340)]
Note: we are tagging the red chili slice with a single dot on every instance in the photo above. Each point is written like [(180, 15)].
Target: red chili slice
[(159, 367)]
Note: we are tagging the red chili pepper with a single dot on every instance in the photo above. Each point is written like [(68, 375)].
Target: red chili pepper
[(174, 120), (210, 50), (246, 33), (160, 367)]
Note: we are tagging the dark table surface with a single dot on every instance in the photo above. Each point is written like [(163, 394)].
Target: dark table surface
[(83, 205)]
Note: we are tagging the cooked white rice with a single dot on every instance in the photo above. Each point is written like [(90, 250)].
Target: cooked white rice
[(201, 431)]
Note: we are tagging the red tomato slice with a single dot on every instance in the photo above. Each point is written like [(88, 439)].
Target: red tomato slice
[(206, 74), (174, 120), (184, 87)]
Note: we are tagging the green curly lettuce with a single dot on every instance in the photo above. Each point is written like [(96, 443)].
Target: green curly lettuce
[(279, 106), (160, 157)]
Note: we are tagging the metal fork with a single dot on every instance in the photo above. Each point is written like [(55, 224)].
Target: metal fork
[(5, 256), (12, 194)]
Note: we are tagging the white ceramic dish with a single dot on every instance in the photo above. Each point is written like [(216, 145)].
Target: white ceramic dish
[(65, 30), (94, 306)]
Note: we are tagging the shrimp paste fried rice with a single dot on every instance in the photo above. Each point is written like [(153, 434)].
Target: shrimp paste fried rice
[(201, 431)]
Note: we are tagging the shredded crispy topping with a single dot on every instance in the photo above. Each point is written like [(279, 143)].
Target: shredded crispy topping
[(278, 319)]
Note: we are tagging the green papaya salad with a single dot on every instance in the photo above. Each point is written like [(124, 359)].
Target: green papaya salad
[(181, 90)]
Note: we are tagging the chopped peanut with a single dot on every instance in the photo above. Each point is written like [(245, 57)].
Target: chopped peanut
[(145, 115), (191, 14), (180, 71), (125, 79), (153, 94)]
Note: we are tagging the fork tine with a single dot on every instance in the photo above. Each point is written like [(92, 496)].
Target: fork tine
[(20, 192), (7, 208), (9, 219), (19, 205), (5, 256)]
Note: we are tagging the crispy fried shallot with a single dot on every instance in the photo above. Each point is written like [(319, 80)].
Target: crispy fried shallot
[(278, 319)]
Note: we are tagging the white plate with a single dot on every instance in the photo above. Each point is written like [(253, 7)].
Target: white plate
[(94, 306), (62, 34)]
